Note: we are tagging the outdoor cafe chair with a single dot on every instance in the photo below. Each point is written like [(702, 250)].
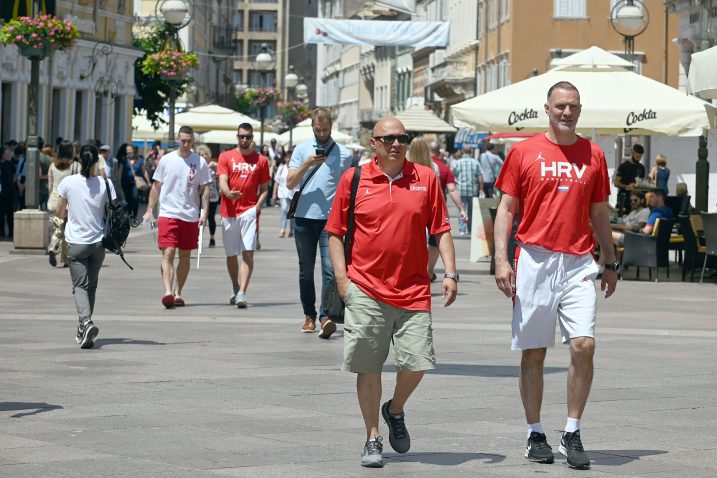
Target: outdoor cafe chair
[(709, 221), (651, 251), (694, 249)]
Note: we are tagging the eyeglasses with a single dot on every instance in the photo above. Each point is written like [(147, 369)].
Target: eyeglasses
[(245, 136), (391, 138)]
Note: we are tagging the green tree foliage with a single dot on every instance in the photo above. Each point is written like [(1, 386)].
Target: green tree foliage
[(152, 91)]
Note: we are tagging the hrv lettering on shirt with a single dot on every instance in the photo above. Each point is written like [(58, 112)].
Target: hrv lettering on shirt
[(243, 167), (559, 169)]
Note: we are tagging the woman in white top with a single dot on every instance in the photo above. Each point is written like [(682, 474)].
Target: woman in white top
[(83, 198), (284, 195)]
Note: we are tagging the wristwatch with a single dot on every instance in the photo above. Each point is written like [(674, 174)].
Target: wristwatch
[(453, 276), (613, 267)]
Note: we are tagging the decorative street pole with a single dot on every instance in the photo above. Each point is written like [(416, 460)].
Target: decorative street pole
[(174, 13), (264, 63)]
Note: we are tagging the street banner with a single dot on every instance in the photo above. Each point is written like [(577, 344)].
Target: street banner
[(376, 32), (10, 9)]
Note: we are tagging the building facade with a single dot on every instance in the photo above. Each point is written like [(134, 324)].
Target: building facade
[(697, 31), (86, 92)]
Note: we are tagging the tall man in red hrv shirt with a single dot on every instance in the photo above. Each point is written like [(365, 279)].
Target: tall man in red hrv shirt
[(560, 181), (244, 181), (384, 282)]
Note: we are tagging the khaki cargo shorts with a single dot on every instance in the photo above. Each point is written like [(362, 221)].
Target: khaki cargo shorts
[(369, 326)]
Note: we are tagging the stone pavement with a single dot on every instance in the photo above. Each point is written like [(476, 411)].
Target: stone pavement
[(212, 391)]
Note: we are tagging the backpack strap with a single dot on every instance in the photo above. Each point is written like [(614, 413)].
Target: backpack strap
[(352, 217)]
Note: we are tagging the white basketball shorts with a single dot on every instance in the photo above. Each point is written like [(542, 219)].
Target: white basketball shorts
[(549, 286), (239, 233)]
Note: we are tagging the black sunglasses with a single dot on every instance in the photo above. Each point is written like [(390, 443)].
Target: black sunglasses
[(390, 138), (245, 136)]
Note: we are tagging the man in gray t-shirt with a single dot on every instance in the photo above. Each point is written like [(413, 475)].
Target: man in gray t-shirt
[(490, 164), (313, 210)]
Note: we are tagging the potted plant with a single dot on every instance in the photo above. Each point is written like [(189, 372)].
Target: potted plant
[(38, 37), (170, 64)]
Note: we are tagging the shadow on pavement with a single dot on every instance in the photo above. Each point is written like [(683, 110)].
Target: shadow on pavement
[(620, 457), (475, 370), (447, 459), (35, 407), (99, 343)]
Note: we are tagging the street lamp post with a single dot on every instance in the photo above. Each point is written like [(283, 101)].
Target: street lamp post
[(264, 63), (291, 81), (629, 18), (175, 14)]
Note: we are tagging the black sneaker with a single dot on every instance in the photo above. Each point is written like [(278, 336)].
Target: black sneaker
[(538, 450), (372, 453), (212, 243), (86, 334), (52, 259), (398, 436), (572, 447)]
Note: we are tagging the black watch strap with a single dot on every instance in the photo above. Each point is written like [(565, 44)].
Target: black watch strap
[(613, 267)]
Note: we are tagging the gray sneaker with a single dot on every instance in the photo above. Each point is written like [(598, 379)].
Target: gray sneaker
[(86, 334), (537, 450), (398, 436), (372, 453), (241, 300)]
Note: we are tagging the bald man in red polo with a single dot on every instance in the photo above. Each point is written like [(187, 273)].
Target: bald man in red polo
[(384, 282)]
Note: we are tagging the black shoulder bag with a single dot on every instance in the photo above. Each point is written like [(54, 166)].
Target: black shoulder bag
[(330, 298), (295, 198), (118, 222)]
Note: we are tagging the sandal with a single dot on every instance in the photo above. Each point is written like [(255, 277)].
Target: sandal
[(168, 301)]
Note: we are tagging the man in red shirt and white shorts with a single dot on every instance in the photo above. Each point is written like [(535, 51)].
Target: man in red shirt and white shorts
[(179, 182), (244, 181), (560, 181), (386, 287)]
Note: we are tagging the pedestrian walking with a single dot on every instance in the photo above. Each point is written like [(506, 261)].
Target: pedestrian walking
[(316, 165), (214, 198), (490, 165), (83, 198), (62, 167), (389, 300), (283, 196), (244, 183), (560, 181), (467, 172), (180, 184)]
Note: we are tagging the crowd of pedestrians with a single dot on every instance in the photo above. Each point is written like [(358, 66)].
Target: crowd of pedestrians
[(378, 226)]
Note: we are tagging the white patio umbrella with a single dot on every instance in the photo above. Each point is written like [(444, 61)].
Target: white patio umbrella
[(225, 136), (593, 56), (142, 129), (303, 132), (210, 117), (702, 78), (420, 120), (615, 101)]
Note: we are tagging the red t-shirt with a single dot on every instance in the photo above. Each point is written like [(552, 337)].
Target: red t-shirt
[(555, 186), (389, 257), (445, 173), (245, 174)]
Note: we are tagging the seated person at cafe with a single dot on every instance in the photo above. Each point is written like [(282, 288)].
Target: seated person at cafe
[(634, 221), (657, 210), (626, 177)]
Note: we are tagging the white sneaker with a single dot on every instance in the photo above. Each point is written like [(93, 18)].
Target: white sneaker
[(233, 297), (241, 300)]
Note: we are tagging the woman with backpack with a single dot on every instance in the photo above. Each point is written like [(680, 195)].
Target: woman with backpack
[(83, 198)]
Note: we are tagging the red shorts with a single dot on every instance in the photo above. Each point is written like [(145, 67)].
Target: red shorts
[(177, 233)]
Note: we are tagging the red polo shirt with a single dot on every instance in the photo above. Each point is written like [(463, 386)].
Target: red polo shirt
[(389, 257)]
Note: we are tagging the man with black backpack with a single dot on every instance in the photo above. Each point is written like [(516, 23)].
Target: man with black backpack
[(388, 299)]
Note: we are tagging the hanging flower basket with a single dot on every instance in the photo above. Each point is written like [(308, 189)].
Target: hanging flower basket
[(259, 97), (38, 37), (170, 64), (293, 112)]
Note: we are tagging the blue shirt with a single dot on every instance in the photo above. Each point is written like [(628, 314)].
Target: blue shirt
[(490, 164), (658, 213), (466, 171), (318, 195)]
